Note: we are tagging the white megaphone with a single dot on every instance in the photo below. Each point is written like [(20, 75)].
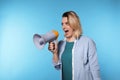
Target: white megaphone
[(41, 40)]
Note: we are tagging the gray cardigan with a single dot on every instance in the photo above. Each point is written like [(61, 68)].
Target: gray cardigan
[(84, 59)]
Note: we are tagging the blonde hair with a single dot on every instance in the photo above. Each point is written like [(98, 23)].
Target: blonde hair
[(74, 22)]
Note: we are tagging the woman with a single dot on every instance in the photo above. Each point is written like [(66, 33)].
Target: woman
[(76, 55)]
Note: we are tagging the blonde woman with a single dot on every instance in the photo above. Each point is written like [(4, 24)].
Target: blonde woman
[(76, 55)]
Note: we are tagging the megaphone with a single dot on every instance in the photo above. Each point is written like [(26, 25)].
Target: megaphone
[(41, 40)]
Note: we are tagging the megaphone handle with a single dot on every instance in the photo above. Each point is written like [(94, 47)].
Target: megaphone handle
[(55, 42)]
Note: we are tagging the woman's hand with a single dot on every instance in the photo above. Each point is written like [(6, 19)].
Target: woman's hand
[(53, 47)]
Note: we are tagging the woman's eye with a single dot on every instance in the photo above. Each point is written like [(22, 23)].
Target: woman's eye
[(67, 23)]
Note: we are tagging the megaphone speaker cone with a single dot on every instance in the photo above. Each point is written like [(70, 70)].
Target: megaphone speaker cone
[(38, 41)]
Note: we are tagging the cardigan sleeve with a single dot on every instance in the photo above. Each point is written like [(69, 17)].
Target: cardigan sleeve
[(58, 65), (93, 61)]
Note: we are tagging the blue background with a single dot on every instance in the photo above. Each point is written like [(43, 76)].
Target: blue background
[(20, 19)]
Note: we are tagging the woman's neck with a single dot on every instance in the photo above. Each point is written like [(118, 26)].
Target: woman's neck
[(70, 39)]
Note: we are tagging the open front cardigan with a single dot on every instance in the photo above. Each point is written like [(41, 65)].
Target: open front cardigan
[(84, 59)]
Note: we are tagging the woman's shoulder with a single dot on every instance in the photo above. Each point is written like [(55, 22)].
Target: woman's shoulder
[(61, 42), (85, 38)]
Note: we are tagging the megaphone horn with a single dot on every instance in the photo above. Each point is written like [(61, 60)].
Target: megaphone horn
[(41, 40)]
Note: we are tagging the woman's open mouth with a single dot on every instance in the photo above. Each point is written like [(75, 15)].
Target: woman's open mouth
[(66, 31)]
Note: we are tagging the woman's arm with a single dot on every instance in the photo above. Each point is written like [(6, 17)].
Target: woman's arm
[(94, 66), (54, 49)]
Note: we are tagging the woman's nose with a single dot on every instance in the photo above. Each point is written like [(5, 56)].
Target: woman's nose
[(63, 26)]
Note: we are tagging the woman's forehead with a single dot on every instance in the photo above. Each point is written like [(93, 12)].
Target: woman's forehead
[(64, 19)]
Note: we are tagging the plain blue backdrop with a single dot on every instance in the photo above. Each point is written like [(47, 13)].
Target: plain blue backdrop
[(21, 19)]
